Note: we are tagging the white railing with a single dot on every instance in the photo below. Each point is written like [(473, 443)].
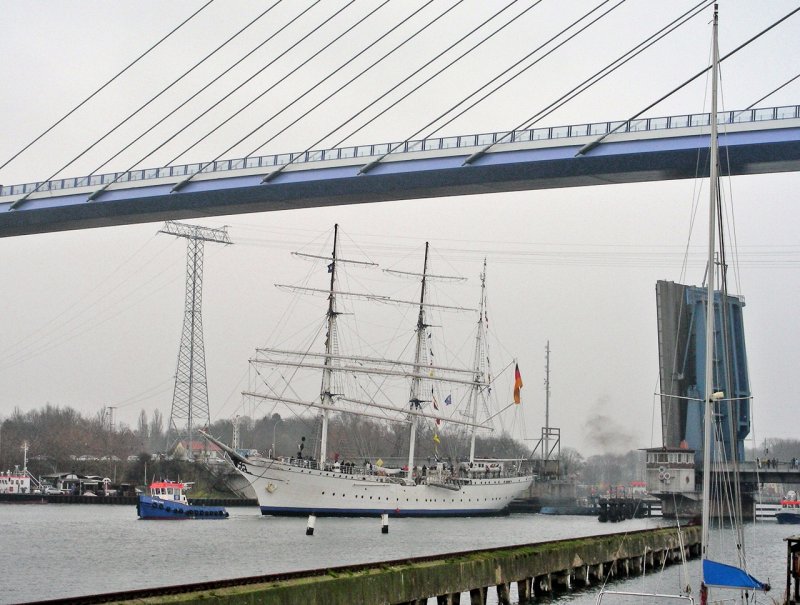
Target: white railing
[(268, 162)]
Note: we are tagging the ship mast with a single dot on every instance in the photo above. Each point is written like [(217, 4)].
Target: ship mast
[(327, 373), (478, 367), (414, 399), (710, 396)]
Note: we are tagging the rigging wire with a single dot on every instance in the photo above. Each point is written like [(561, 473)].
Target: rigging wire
[(96, 92), (143, 106)]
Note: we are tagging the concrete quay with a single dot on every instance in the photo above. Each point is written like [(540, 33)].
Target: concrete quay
[(538, 569)]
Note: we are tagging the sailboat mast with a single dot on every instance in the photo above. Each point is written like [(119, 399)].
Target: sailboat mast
[(478, 362), (327, 373), (414, 400), (709, 341)]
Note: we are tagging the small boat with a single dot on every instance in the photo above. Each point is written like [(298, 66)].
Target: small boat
[(19, 481), (167, 500), (789, 512), (15, 482)]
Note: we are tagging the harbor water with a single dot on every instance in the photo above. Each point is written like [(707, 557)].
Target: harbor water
[(59, 550)]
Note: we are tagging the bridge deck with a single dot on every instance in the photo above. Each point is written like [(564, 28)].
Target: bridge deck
[(752, 142)]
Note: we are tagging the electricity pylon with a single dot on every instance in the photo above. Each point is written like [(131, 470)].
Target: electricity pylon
[(190, 397)]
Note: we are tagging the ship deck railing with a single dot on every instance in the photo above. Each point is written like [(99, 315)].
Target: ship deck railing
[(449, 475)]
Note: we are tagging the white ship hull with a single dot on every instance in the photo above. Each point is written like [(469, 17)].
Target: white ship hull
[(289, 488)]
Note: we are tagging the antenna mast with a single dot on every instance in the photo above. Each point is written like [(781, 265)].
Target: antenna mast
[(546, 449), (190, 397)]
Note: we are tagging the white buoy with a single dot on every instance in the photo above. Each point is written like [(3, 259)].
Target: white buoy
[(384, 523), (312, 519)]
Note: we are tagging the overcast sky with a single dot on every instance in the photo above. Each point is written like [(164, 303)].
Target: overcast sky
[(93, 318)]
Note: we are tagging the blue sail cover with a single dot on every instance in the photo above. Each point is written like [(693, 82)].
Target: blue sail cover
[(728, 576)]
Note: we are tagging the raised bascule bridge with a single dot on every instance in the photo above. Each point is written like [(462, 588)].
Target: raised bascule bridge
[(674, 472)]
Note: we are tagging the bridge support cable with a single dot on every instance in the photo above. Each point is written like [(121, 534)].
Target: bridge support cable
[(377, 161), (102, 87), (267, 178), (270, 88), (772, 92), (172, 112), (600, 139), (371, 104), (139, 109), (590, 81), (163, 143), (265, 92), (272, 175)]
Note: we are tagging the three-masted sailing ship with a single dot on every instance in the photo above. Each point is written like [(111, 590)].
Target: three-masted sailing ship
[(322, 485)]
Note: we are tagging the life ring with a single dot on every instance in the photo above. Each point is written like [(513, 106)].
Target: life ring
[(667, 476), (661, 475), (160, 505)]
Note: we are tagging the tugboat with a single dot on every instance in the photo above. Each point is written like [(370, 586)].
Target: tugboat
[(167, 500)]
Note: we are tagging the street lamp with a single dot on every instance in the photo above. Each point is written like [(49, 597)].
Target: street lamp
[(273, 435)]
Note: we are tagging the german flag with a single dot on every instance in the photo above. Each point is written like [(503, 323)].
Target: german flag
[(517, 383)]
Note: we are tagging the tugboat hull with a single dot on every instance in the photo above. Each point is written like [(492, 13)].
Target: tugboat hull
[(156, 508)]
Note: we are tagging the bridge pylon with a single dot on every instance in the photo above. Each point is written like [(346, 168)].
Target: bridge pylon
[(190, 395)]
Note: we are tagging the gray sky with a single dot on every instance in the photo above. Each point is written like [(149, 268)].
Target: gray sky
[(93, 318)]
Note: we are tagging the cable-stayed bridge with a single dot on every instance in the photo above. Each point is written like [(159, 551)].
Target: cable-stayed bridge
[(753, 141)]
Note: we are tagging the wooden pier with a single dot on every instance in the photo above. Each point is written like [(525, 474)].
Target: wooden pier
[(537, 569)]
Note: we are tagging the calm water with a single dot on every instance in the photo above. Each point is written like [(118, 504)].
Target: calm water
[(50, 551)]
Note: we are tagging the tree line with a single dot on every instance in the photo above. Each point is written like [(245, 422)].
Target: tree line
[(61, 439)]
